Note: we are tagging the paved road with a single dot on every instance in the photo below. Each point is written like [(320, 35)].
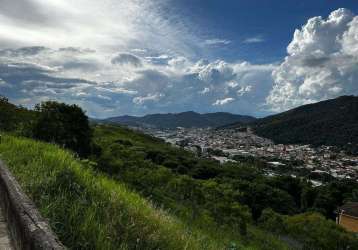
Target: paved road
[(5, 243)]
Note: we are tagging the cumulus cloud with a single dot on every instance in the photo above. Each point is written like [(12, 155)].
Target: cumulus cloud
[(321, 62), (171, 75), (68, 51), (89, 78)]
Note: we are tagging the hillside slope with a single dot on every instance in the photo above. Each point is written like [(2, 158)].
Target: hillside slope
[(229, 200), (88, 210), (331, 122), (185, 119)]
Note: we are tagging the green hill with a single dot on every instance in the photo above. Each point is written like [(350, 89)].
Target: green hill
[(333, 122), (231, 200), (186, 119), (90, 211)]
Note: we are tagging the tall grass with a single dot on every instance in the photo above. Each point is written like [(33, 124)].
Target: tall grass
[(90, 211)]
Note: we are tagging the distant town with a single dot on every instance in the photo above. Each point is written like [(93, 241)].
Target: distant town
[(318, 164)]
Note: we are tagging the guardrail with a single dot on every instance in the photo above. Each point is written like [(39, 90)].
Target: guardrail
[(28, 229)]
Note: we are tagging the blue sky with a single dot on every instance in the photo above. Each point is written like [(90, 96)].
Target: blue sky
[(236, 20), (138, 57)]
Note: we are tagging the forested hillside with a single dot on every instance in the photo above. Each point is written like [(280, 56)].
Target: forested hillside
[(332, 122), (232, 196), (185, 119)]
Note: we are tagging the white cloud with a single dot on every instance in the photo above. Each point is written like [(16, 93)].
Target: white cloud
[(216, 72), (106, 26), (222, 102), (203, 92), (232, 84), (217, 41), (256, 39), (170, 76), (139, 100), (244, 90), (142, 51), (321, 63), (89, 78), (107, 55)]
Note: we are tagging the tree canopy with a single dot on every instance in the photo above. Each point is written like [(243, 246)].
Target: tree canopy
[(63, 124)]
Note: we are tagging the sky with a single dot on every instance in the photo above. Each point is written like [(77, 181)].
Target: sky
[(138, 57)]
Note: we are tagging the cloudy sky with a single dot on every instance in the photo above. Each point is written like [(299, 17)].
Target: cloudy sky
[(116, 57)]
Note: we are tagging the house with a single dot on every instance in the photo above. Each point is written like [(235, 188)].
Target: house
[(348, 216)]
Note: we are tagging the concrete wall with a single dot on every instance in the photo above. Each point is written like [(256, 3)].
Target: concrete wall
[(349, 223), (28, 229)]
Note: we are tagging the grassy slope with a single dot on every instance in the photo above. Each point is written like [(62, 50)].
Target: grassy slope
[(88, 210)]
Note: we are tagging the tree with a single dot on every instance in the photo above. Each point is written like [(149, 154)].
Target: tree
[(317, 232), (65, 125), (15, 118), (272, 221)]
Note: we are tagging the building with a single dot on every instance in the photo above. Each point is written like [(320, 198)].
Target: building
[(348, 216)]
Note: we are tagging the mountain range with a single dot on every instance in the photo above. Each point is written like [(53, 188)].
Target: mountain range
[(185, 119), (331, 122)]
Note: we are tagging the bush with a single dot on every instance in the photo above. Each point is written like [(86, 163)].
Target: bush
[(272, 221), (311, 230)]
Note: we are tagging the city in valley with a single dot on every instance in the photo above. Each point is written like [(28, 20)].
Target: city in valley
[(318, 164)]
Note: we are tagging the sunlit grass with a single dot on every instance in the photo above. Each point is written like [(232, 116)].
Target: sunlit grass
[(88, 210)]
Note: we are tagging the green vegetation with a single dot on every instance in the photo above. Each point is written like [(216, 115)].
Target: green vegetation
[(13, 118), (311, 230), (88, 210), (65, 125), (231, 196), (137, 192), (332, 122)]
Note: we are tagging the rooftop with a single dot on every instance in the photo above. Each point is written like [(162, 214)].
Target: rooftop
[(350, 208)]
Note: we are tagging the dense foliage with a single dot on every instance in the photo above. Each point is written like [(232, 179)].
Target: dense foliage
[(203, 191), (65, 125), (14, 118), (332, 122), (310, 230)]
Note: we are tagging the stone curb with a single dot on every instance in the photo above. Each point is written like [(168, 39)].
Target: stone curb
[(28, 229)]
